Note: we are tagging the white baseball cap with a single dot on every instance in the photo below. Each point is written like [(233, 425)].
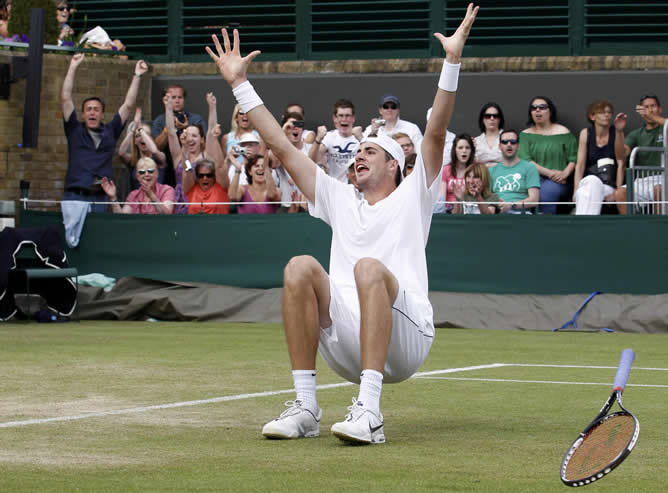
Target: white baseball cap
[(249, 137)]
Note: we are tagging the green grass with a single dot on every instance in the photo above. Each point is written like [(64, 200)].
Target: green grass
[(445, 433)]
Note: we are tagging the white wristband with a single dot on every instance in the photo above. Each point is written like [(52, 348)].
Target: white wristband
[(246, 96), (449, 76)]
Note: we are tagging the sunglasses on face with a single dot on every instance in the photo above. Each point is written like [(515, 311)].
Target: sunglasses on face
[(241, 113), (204, 175), (542, 106), (390, 106), (150, 171), (62, 9), (490, 116), (509, 141)]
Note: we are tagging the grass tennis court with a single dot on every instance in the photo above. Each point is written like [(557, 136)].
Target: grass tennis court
[(142, 407)]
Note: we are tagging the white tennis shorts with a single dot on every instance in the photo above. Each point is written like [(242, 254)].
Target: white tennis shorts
[(412, 335)]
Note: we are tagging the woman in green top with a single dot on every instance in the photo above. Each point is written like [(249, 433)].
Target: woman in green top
[(553, 149)]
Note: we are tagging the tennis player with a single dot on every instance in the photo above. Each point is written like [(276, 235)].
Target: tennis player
[(370, 316)]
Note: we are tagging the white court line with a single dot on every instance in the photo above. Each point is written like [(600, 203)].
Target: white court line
[(37, 421), (607, 384)]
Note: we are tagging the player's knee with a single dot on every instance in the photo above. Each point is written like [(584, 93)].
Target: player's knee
[(369, 271), (299, 270)]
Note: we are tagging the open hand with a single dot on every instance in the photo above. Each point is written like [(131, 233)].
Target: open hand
[(230, 63), (454, 45), (620, 121)]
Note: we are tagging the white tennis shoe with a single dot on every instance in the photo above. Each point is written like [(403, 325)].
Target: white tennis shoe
[(294, 422), (361, 425)]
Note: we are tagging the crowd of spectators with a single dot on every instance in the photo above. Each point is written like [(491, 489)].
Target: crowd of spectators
[(541, 169)]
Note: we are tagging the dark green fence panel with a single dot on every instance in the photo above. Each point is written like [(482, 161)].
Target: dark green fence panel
[(178, 30)]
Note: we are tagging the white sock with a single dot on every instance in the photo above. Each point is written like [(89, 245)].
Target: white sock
[(304, 381), (371, 385)]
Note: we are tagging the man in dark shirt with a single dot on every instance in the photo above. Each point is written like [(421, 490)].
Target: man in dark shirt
[(91, 144)]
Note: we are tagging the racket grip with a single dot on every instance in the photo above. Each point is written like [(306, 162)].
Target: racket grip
[(624, 369)]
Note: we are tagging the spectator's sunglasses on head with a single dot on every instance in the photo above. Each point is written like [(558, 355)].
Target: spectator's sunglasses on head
[(542, 106), (489, 116), (204, 175), (390, 106), (509, 141), (150, 171)]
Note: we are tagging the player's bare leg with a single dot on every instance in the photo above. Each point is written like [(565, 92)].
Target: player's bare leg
[(305, 310), (377, 289)]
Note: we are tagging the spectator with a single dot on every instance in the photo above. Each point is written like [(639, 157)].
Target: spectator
[(514, 180), (289, 191), (137, 144), (239, 126), (309, 135), (261, 188), (208, 193), (249, 145), (91, 144), (553, 149), (477, 189), (182, 119), (352, 177), (337, 147), (453, 173), (5, 10), (599, 170), (154, 197), (409, 164), (195, 148), (490, 123), (648, 188), (405, 142), (63, 15), (389, 122)]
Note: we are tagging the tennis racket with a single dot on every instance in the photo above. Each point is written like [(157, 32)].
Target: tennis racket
[(608, 439)]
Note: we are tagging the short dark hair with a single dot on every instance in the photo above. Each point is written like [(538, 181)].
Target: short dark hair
[(292, 114), (92, 98), (172, 86), (484, 109), (301, 108), (453, 152), (343, 103), (205, 162), (410, 159), (650, 96), (249, 164), (550, 104), (510, 131)]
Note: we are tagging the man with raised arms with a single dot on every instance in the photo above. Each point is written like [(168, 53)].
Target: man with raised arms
[(370, 316)]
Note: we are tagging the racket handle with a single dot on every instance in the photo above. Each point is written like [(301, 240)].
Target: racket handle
[(624, 369)]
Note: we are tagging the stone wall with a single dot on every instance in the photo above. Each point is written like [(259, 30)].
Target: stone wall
[(109, 78)]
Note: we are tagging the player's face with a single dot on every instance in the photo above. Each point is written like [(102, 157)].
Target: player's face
[(509, 145), (344, 119), (463, 150), (178, 99), (406, 145), (93, 114), (371, 166)]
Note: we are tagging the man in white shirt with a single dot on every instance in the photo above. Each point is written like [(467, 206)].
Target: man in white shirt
[(337, 147), (370, 316), (389, 122)]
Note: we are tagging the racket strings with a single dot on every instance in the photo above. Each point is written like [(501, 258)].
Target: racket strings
[(601, 446)]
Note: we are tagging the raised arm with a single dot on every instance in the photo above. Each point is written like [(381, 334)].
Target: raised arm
[(233, 68), (131, 97), (68, 84), (213, 148), (172, 138), (444, 101)]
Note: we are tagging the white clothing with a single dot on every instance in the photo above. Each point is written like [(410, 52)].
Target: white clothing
[(411, 340), (402, 126), (243, 179), (484, 153), (340, 150), (393, 231), (447, 149), (590, 194), (285, 182)]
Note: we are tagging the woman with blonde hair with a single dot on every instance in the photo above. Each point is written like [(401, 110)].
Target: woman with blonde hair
[(239, 125), (476, 189), (138, 143)]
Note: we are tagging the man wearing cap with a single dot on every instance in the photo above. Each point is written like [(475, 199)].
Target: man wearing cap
[(389, 110), (249, 145), (370, 315)]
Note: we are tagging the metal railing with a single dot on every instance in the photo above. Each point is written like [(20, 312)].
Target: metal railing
[(645, 184)]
